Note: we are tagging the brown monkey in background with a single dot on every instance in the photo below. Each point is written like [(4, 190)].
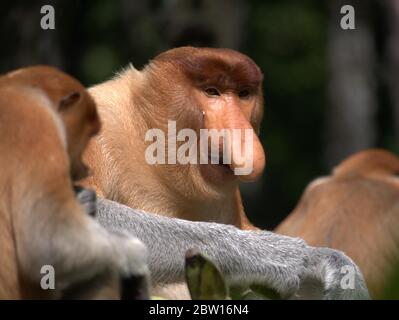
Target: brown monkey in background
[(199, 88), (355, 210), (41, 222), (69, 97)]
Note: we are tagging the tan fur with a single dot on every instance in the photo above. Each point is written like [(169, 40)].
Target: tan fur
[(355, 210), (25, 181), (41, 222), (172, 87), (69, 99)]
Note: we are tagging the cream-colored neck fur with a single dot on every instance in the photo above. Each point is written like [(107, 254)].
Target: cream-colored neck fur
[(120, 171)]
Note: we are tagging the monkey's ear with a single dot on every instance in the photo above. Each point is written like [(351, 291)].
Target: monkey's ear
[(68, 100)]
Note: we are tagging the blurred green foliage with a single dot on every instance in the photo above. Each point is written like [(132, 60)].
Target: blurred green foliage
[(391, 291), (288, 41)]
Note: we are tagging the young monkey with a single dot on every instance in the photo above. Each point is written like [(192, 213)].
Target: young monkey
[(70, 100), (44, 128)]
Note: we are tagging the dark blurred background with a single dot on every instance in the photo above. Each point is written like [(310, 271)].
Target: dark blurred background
[(329, 92)]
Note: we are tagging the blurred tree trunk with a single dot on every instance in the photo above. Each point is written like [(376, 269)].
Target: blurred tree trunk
[(392, 50), (350, 123)]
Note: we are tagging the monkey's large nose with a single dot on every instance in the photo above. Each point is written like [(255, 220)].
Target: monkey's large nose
[(247, 155)]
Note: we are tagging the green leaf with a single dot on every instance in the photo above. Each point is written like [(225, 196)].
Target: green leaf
[(253, 292), (204, 279)]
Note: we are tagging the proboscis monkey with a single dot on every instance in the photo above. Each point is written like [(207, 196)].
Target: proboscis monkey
[(41, 222), (199, 88), (72, 102), (355, 210)]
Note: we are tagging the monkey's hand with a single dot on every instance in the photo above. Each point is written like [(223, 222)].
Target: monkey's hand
[(87, 198), (131, 259), (339, 276), (286, 264), (129, 253)]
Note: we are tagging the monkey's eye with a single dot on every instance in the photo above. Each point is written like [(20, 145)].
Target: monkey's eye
[(243, 94), (212, 92)]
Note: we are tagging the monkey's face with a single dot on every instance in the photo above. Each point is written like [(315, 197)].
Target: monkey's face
[(224, 90), (234, 111)]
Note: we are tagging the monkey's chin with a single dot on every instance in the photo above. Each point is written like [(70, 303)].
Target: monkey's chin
[(217, 174)]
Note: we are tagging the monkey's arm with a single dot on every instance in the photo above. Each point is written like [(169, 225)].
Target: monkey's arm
[(89, 261), (245, 257)]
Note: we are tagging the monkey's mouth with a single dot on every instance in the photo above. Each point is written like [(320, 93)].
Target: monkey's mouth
[(217, 169), (224, 166)]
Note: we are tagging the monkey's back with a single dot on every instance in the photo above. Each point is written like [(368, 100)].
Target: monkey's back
[(357, 215)]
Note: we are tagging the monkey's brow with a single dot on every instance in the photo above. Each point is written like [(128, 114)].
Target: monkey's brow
[(218, 70), (225, 82)]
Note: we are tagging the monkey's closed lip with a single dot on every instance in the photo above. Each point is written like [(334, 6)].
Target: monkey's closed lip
[(224, 166), (216, 173)]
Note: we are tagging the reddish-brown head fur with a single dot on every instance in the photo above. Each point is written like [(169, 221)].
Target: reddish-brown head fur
[(225, 68)]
